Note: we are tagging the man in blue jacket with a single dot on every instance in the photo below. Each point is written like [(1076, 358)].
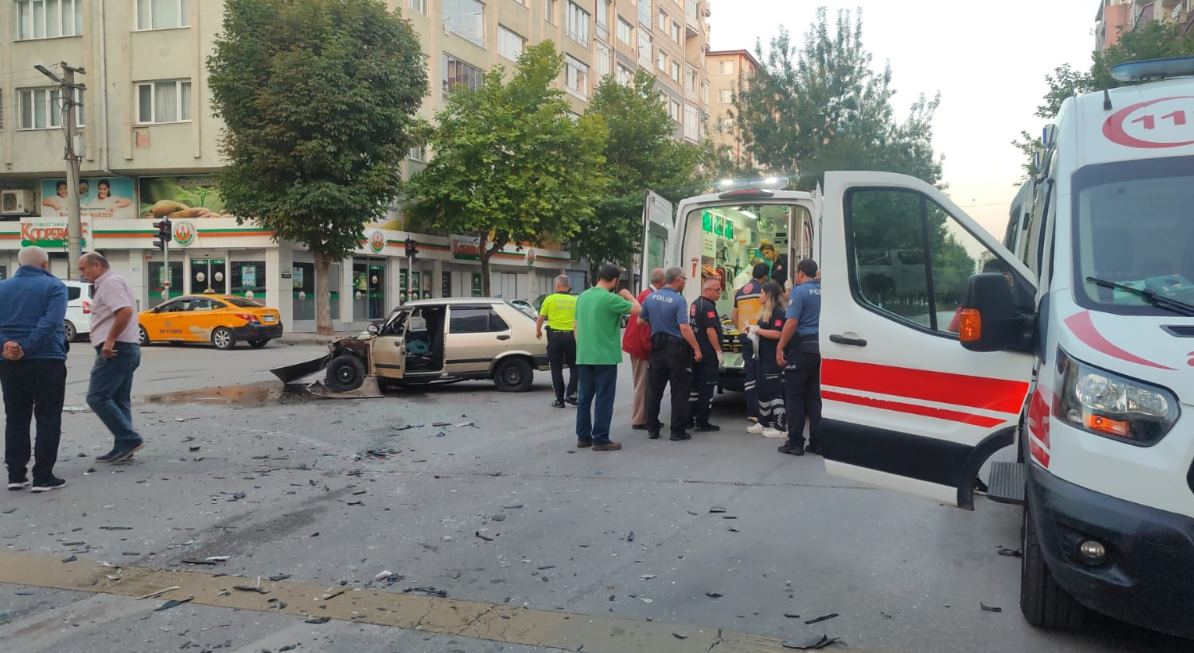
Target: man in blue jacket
[(33, 369)]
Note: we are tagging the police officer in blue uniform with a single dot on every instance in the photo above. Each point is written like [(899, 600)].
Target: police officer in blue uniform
[(706, 326), (799, 355), (673, 351)]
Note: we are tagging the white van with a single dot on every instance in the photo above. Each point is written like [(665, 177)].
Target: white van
[(78, 309)]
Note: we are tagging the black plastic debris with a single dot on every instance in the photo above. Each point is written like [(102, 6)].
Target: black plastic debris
[(714, 595), (679, 635), (832, 615), (630, 536), (429, 591), (70, 558), (989, 608), (289, 647), (1010, 553), (195, 448), (814, 644), (173, 603), (439, 424), (250, 588), (278, 577), (441, 434), (791, 615), (484, 537), (733, 530), (318, 620), (716, 510), (513, 506), (498, 517), (210, 563), (116, 528)]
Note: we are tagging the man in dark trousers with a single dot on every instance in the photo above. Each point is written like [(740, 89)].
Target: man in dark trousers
[(673, 350), (706, 326), (559, 312), (33, 369), (799, 355), (748, 308)]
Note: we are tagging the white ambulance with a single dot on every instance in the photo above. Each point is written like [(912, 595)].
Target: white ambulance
[(1072, 341)]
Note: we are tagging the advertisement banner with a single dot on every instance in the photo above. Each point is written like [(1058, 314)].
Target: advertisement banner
[(181, 197), (99, 197), (50, 233), (466, 248)]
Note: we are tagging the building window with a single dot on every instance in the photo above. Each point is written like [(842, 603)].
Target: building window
[(676, 31), (417, 153), (418, 5), (673, 110), (163, 14), (644, 13), (162, 102), (577, 80), (458, 74), (661, 59), (576, 23), (725, 96), (465, 18), (692, 80), (625, 31), (510, 44), (725, 67), (675, 71), (47, 19), (663, 21), (603, 9), (604, 61), (625, 76), (549, 10), (692, 123), (41, 108)]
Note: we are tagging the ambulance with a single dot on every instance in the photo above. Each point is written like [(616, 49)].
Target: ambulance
[(1056, 363)]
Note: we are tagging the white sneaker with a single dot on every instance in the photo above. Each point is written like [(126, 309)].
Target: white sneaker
[(756, 428), (774, 433)]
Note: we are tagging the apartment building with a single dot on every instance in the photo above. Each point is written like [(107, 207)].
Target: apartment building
[(1115, 17), (150, 143), (729, 71)]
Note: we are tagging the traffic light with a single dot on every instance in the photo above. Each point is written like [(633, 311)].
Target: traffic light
[(412, 250), (163, 238)]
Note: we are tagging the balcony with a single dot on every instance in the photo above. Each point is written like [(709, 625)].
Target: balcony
[(692, 18)]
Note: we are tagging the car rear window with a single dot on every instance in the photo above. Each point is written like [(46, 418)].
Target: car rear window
[(73, 293), (475, 319), (243, 303)]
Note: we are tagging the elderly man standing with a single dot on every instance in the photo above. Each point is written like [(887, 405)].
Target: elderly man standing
[(559, 312), (636, 341), (33, 371), (118, 354)]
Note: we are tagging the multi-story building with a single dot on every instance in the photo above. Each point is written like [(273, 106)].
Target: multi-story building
[(730, 72), (1118, 16), (150, 142)]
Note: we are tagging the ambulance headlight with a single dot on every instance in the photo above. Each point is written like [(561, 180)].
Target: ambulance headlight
[(1110, 405)]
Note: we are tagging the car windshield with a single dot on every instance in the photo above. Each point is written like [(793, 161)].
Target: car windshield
[(1134, 237), (243, 303)]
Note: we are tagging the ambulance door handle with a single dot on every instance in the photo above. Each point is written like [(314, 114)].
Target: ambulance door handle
[(847, 340)]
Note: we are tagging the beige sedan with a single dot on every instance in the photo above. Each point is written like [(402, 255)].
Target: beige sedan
[(441, 341)]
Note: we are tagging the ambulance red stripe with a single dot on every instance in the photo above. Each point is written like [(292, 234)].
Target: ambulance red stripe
[(941, 387), (913, 409)]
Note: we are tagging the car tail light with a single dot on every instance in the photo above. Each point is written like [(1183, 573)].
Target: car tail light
[(86, 307), (247, 317), (1110, 405)]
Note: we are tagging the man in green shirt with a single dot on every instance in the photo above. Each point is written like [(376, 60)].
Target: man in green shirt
[(559, 312), (599, 312)]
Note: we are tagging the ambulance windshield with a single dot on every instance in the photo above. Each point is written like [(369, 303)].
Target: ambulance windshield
[(1134, 236)]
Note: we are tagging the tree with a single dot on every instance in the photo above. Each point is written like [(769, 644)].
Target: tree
[(511, 164), (822, 107), (318, 99), (640, 155)]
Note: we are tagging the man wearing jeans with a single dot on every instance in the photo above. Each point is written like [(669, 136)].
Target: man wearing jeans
[(33, 369), (599, 312), (118, 354)]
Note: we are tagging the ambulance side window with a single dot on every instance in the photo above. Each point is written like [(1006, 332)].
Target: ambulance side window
[(911, 260)]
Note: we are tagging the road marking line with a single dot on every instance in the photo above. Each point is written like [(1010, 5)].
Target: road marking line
[(473, 619)]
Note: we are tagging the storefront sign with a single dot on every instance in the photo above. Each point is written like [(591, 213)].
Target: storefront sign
[(248, 276), (466, 248), (184, 233), (102, 197), (181, 197), (50, 233), (377, 242)]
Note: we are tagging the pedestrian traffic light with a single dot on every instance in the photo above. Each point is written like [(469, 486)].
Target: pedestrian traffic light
[(412, 249), (163, 238)]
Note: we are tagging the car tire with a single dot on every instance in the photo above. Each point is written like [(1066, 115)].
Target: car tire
[(345, 372), (142, 336), (513, 375), (71, 331), (259, 343), (223, 339), (1045, 604)]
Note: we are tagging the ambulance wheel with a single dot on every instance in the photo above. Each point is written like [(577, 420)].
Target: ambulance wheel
[(345, 372), (1045, 604)]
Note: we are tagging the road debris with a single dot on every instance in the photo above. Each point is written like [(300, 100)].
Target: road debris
[(173, 603), (1011, 553), (832, 615), (989, 608), (317, 620), (630, 536), (154, 595), (484, 537), (429, 591), (70, 559), (714, 595), (716, 510), (814, 644), (250, 588), (679, 634)]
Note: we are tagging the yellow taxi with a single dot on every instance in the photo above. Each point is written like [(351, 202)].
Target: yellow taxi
[(222, 320)]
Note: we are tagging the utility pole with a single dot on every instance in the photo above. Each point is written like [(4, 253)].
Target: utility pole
[(69, 91)]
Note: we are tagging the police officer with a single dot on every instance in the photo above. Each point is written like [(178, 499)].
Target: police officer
[(673, 350), (799, 354), (706, 326), (559, 312)]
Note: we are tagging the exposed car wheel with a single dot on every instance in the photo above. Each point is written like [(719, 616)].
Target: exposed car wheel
[(345, 372), (513, 375), (259, 343), (142, 336), (1045, 604), (71, 331), (222, 338)]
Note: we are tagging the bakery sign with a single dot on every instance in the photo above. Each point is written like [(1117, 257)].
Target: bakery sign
[(49, 233)]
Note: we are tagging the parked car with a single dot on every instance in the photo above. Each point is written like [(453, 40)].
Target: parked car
[(222, 320), (441, 341), (78, 309)]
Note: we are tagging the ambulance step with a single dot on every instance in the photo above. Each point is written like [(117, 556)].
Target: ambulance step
[(1006, 484)]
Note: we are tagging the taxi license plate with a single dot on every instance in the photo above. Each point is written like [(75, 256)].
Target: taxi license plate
[(268, 318)]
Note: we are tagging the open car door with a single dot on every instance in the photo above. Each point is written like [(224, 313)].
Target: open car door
[(659, 225), (905, 405), (389, 347)]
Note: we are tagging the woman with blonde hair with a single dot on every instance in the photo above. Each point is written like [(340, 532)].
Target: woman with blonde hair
[(770, 386)]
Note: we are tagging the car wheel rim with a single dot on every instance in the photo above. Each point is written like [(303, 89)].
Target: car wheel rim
[(221, 339), (513, 376), (345, 375)]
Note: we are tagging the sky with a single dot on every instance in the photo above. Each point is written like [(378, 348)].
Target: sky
[(987, 59)]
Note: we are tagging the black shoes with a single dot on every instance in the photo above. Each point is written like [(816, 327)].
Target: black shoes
[(639, 427), (707, 428), (584, 444), (52, 483), (814, 448), (121, 453), (15, 484), (557, 404), (653, 435), (792, 450), (680, 435), (572, 400)]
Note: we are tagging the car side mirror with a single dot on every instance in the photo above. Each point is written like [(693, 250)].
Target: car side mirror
[(989, 319), (374, 329)]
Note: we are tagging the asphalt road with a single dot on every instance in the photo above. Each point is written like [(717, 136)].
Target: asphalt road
[(495, 508)]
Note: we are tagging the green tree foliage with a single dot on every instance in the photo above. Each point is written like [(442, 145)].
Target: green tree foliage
[(319, 100), (823, 107), (511, 164)]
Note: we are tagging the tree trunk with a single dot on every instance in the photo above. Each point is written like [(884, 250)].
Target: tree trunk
[(323, 307), (485, 255)]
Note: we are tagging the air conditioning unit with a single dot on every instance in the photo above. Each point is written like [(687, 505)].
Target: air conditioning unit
[(16, 202)]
